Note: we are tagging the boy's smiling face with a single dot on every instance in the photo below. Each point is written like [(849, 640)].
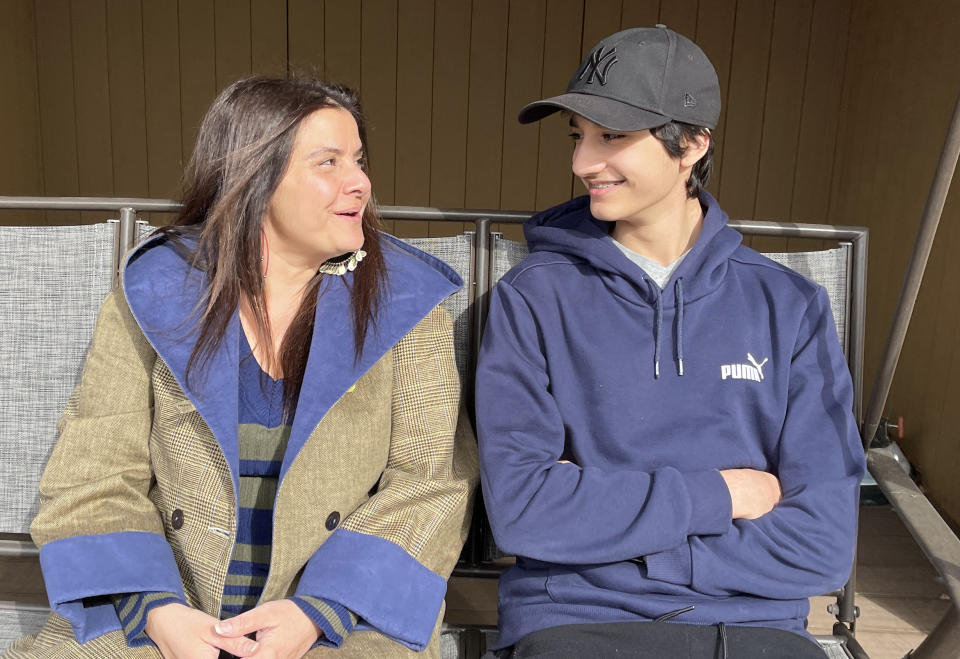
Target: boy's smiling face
[(629, 175)]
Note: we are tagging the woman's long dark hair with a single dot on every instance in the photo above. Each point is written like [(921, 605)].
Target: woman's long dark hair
[(242, 151)]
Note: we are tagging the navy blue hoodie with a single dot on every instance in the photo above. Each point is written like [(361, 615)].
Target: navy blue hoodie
[(606, 408)]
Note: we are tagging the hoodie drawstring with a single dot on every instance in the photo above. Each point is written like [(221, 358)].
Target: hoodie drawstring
[(658, 312), (678, 326), (678, 288)]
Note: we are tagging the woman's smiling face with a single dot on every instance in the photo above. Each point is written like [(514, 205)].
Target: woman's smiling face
[(316, 212)]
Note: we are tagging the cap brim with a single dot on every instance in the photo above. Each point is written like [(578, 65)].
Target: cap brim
[(605, 112)]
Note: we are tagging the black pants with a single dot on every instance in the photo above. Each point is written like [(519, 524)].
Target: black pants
[(660, 640)]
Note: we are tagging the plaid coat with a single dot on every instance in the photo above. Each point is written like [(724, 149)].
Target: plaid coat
[(375, 489)]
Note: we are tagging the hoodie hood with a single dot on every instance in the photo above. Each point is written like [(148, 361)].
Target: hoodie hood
[(571, 230)]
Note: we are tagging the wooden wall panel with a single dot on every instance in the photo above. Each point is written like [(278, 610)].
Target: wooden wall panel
[(820, 116), (268, 38), (58, 129), (555, 180), (88, 23), (414, 108), (786, 71), (198, 66), (744, 124), (524, 71), (681, 16), (21, 169), (127, 107), (486, 111), (715, 23), (378, 70), (784, 99), (639, 13), (304, 37), (341, 43), (232, 38), (161, 84), (451, 85), (893, 119)]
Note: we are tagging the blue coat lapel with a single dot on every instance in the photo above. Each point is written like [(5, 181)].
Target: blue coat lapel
[(417, 283), (163, 292)]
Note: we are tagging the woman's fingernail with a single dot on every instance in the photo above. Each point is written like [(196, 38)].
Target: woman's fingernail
[(223, 627)]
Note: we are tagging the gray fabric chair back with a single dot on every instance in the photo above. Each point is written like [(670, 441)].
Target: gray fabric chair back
[(18, 620), (831, 269), (457, 252), (54, 279)]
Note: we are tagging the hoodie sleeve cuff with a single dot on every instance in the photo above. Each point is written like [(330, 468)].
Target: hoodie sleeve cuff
[(672, 566), (711, 509)]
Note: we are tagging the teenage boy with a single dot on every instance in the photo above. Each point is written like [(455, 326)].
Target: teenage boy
[(664, 414)]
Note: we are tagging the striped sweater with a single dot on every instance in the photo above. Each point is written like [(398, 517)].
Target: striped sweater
[(263, 440)]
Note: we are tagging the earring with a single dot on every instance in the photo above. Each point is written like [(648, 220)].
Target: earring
[(344, 266), (264, 251)]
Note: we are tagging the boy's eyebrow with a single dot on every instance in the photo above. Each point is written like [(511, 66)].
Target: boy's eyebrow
[(573, 121)]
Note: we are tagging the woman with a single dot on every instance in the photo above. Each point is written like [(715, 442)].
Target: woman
[(264, 438)]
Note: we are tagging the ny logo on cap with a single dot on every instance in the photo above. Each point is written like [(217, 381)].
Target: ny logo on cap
[(598, 64)]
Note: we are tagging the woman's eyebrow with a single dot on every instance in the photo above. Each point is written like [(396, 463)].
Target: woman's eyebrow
[(332, 150)]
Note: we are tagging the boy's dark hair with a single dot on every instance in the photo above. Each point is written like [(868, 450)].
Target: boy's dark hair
[(675, 136)]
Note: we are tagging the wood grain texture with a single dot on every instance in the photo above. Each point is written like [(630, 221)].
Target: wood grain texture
[(198, 66), (127, 106), (161, 73), (555, 180), (378, 70), (415, 37), (524, 74), (341, 43), (88, 23), (486, 112), (782, 109), (268, 38), (21, 170), (58, 128), (233, 57), (745, 107), (305, 37), (451, 85)]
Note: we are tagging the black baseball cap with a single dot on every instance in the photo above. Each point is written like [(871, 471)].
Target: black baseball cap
[(636, 79)]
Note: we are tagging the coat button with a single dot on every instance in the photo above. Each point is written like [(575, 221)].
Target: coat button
[(176, 519), (333, 519)]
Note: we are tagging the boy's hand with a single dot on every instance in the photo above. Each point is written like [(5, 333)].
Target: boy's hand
[(753, 493)]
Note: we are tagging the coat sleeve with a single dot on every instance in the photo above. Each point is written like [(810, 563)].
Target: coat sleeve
[(389, 560), (99, 534), (543, 508), (805, 545)]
